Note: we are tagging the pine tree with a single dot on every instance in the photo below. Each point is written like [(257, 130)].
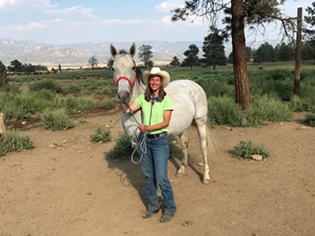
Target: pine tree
[(254, 13), (213, 49), (175, 62), (146, 55), (191, 56)]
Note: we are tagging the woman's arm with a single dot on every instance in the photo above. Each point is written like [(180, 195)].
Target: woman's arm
[(125, 108), (167, 117)]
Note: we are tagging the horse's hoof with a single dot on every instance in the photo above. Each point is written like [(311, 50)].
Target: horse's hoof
[(206, 181), (178, 174)]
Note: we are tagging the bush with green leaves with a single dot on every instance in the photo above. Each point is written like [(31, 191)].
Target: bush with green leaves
[(56, 120), (108, 102), (48, 84), (122, 150), (224, 110), (269, 108), (101, 134), (246, 148), (14, 141), (85, 104), (310, 119)]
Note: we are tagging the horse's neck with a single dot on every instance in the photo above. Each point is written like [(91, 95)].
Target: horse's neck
[(137, 90)]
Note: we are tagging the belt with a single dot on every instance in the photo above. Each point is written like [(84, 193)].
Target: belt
[(156, 135)]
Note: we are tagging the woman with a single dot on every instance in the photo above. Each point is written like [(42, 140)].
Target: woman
[(157, 108)]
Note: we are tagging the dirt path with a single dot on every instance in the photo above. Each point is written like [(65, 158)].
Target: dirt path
[(71, 189)]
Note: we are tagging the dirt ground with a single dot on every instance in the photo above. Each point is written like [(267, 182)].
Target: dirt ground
[(71, 189)]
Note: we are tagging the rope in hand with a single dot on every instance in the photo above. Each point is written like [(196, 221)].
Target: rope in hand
[(141, 142)]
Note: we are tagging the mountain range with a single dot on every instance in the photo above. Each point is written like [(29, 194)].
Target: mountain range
[(36, 53)]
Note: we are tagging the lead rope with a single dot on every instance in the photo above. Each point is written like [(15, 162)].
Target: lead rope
[(142, 140)]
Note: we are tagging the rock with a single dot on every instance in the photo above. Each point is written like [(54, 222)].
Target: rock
[(24, 123), (107, 126), (306, 127), (200, 164), (64, 141), (187, 223), (257, 157), (79, 151)]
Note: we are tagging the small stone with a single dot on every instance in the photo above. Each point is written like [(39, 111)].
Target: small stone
[(281, 123), (227, 127), (187, 223), (79, 151), (107, 126), (59, 148), (64, 141), (174, 141), (200, 164), (305, 127), (24, 123), (257, 157)]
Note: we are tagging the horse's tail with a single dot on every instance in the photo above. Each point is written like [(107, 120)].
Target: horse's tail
[(211, 141)]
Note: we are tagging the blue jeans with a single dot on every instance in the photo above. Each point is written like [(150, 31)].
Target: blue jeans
[(154, 165)]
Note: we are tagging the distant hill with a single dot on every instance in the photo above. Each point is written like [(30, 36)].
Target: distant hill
[(33, 52)]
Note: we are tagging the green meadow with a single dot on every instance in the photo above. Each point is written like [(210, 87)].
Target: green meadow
[(271, 87)]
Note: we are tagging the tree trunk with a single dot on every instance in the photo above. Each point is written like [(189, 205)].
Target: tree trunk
[(298, 54), (2, 127), (239, 55)]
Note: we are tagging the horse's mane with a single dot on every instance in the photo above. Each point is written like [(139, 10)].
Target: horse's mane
[(122, 51)]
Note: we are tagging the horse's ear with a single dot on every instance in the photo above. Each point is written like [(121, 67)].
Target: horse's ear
[(132, 50), (113, 51)]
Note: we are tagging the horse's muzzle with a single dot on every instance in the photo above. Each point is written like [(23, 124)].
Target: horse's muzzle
[(124, 97)]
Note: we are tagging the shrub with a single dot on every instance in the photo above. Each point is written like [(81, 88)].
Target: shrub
[(101, 134), (56, 120), (10, 88), (85, 104), (14, 141), (70, 103), (108, 103), (224, 110), (264, 108), (46, 84), (246, 148), (108, 90), (310, 119), (122, 150)]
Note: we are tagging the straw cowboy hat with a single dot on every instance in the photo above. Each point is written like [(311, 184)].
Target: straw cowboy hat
[(156, 71)]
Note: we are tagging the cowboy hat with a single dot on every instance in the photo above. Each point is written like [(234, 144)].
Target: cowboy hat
[(156, 71)]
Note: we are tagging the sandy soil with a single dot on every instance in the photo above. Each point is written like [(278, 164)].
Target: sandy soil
[(71, 189)]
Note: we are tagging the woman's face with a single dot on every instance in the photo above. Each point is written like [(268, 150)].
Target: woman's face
[(155, 82)]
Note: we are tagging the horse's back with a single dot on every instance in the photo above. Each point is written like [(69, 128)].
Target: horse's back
[(189, 101)]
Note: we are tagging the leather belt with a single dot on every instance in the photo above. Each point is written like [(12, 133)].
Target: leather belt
[(156, 135)]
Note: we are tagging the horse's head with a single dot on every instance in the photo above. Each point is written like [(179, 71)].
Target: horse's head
[(124, 70)]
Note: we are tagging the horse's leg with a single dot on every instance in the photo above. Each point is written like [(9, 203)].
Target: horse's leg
[(184, 142), (202, 131)]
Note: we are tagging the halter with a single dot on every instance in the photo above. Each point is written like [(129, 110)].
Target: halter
[(123, 77)]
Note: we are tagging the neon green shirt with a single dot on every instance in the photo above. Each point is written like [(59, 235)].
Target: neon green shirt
[(158, 109)]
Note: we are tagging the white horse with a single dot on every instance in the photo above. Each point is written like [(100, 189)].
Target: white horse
[(189, 101)]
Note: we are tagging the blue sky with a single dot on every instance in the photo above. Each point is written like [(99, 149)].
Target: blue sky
[(67, 21)]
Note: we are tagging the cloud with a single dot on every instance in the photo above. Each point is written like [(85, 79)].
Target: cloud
[(168, 6), (76, 11), (14, 5)]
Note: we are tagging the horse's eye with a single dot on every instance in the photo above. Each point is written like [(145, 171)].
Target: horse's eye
[(113, 69), (133, 68)]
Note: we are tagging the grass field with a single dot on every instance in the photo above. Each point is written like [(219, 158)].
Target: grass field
[(271, 86)]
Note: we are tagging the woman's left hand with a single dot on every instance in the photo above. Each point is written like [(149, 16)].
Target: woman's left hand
[(143, 128)]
